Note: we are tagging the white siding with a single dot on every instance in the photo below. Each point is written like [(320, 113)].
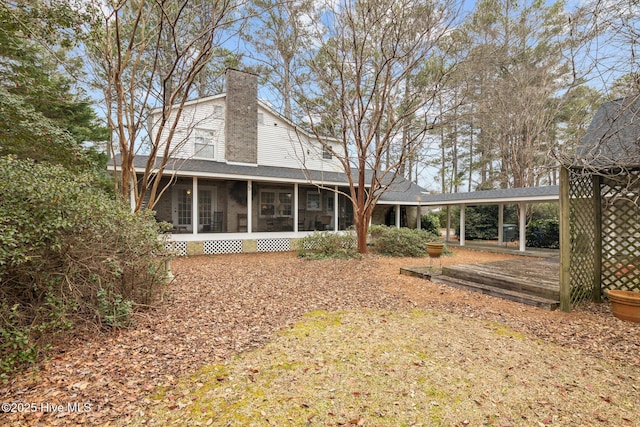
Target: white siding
[(280, 145), (207, 115), (278, 142)]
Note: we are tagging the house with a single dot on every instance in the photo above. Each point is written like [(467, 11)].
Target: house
[(243, 178)]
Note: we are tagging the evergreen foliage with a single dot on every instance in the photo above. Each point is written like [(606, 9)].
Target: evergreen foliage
[(430, 223), (323, 244), (68, 252), (400, 242)]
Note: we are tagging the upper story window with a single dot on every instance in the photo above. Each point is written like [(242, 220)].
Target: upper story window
[(261, 118), (326, 154), (203, 144)]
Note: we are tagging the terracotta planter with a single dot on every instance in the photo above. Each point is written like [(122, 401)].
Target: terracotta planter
[(625, 305), (434, 249)]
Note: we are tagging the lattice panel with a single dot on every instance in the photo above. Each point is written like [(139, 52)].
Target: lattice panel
[(621, 232), (583, 226), (212, 247), (178, 248), (273, 245)]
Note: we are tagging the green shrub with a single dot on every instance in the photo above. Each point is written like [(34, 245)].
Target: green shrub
[(324, 244), (430, 223), (62, 241), (112, 309), (544, 233), (401, 242)]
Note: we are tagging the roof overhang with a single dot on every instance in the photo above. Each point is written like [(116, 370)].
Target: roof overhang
[(492, 197)]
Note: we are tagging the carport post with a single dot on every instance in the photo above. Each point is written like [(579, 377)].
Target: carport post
[(500, 224), (523, 226), (447, 235), (462, 209)]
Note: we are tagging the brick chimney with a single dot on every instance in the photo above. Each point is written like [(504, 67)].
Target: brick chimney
[(241, 117)]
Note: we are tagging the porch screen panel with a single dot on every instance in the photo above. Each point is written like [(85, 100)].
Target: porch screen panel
[(184, 207), (205, 207)]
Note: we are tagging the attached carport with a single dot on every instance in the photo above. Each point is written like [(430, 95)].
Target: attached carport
[(517, 196)]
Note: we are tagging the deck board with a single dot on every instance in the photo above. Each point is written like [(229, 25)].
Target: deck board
[(529, 281)]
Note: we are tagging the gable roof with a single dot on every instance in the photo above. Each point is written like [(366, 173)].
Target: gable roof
[(613, 137), (399, 191)]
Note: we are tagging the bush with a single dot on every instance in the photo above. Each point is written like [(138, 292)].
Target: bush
[(544, 233), (324, 244), (430, 223), (63, 243), (400, 242)]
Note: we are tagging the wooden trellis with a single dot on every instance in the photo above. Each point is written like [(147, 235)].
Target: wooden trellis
[(600, 236)]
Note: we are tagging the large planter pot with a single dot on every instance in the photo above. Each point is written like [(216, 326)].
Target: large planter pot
[(434, 249), (625, 305)]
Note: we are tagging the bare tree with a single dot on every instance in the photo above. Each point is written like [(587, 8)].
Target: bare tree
[(278, 32), (377, 67), (149, 54), (526, 68)]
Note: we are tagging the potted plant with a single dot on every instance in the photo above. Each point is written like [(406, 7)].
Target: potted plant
[(434, 249), (625, 305)]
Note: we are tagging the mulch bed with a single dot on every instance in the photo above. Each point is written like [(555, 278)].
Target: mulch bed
[(223, 305)]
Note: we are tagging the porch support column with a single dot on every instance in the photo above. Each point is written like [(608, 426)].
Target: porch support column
[(335, 208), (249, 206), (500, 224), (462, 209), (194, 205), (447, 235), (295, 207), (397, 216), (419, 209), (523, 226), (132, 194)]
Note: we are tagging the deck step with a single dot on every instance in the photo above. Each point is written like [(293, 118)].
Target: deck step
[(524, 298), (510, 276)]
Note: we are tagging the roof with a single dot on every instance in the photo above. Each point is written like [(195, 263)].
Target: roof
[(399, 191), (613, 137), (510, 195)]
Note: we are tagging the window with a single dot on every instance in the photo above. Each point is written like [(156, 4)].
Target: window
[(203, 144), (205, 203), (328, 205), (184, 207), (313, 201), (267, 203), (326, 154), (285, 205), (276, 203), (261, 118)]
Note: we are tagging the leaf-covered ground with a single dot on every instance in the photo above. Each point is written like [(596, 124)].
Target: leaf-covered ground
[(233, 340)]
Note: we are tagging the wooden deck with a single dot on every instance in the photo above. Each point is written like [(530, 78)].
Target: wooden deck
[(533, 282)]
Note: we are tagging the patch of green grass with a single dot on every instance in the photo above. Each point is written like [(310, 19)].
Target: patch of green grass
[(506, 331)]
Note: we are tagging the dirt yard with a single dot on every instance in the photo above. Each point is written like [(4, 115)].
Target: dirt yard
[(224, 306)]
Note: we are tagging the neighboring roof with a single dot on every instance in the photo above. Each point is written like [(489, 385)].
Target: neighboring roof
[(510, 195), (400, 191), (613, 137)]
